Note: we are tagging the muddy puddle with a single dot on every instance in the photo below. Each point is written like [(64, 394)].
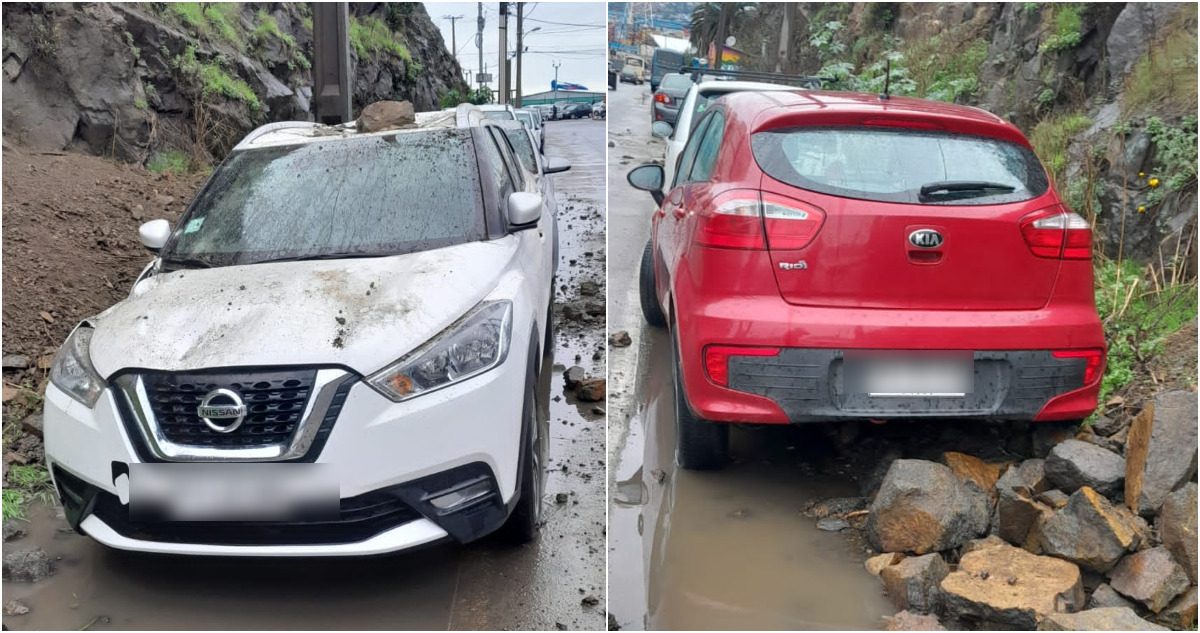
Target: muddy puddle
[(731, 549)]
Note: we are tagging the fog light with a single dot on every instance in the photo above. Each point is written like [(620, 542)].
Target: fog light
[(462, 496)]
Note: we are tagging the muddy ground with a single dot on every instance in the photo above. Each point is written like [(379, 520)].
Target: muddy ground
[(71, 250)]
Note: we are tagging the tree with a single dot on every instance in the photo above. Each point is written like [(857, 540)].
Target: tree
[(706, 21)]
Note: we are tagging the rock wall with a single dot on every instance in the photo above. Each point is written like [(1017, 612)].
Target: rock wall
[(133, 80)]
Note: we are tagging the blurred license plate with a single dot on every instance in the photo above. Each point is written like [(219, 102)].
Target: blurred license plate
[(942, 375), (232, 492)]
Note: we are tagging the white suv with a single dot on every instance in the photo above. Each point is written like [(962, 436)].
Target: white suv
[(334, 353)]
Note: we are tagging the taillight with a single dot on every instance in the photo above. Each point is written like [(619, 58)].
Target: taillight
[(716, 359), (789, 223), (663, 98), (1056, 233), (733, 222), (1095, 358)]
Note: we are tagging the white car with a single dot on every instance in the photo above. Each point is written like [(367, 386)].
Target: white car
[(499, 111), (334, 353), (698, 97), (533, 122)]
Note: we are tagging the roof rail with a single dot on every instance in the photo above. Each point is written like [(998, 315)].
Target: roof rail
[(808, 82), (271, 127)]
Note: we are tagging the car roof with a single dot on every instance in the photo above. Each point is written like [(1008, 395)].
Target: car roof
[(300, 132), (762, 110), (711, 85), (494, 107)]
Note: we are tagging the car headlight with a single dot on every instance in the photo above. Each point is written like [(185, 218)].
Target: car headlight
[(474, 344), (72, 370)]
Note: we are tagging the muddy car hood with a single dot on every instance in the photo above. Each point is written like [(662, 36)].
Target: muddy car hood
[(360, 313)]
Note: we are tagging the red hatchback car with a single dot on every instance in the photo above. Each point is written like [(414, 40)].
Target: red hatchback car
[(836, 256)]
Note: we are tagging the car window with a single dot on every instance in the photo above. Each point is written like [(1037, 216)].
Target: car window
[(503, 115), (894, 164), (373, 195), (675, 82), (710, 145), (526, 118), (499, 170), (522, 147), (689, 153), (510, 160)]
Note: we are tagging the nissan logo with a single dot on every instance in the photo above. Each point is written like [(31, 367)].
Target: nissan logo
[(212, 409), (925, 238)]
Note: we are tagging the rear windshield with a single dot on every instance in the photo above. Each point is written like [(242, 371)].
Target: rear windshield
[(668, 59), (526, 118), (503, 115), (675, 81), (368, 196), (900, 165)]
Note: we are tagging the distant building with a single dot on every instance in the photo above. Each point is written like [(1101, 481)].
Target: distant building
[(550, 97)]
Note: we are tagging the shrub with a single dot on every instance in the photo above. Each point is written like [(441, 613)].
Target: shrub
[(172, 162), (1051, 137), (1066, 20)]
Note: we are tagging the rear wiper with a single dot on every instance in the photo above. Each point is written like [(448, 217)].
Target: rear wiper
[(949, 187)]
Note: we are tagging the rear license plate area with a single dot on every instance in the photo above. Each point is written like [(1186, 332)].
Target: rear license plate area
[(882, 383)]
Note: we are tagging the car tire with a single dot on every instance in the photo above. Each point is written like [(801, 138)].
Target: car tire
[(548, 344), (699, 444), (647, 291), (523, 524)]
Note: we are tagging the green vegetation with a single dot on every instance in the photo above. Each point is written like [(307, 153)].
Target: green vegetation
[(223, 16), (307, 22), (1165, 77), (1066, 27), (14, 504), (370, 35), (1175, 154), (267, 26), (214, 79), (174, 162), (190, 14), (1051, 137), (141, 104), (946, 67), (301, 60), (27, 483)]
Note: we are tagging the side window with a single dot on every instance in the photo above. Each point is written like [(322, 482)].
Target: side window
[(495, 162), (510, 158), (689, 152), (710, 145)]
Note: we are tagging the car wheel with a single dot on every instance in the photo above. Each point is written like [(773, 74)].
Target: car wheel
[(647, 291), (548, 344), (522, 525), (699, 444)]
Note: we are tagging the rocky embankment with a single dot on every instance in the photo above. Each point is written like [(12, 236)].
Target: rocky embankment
[(1096, 531)]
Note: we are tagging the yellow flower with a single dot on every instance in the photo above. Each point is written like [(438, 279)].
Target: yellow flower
[(1153, 182), (1141, 174), (1141, 209)]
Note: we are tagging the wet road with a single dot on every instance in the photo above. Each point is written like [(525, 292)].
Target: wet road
[(484, 585), (712, 550)]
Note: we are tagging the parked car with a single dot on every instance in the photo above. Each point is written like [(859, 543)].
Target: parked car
[(599, 111), (499, 111), (668, 97), (633, 71), (838, 256), (577, 111), (663, 62), (300, 370), (613, 72), (560, 109), (534, 122)]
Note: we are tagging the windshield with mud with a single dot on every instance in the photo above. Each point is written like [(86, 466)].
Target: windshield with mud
[(362, 197)]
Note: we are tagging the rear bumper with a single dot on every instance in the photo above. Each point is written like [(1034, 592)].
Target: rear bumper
[(665, 113)]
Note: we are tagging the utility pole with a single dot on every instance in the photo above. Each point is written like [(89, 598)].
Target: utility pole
[(331, 63), (520, 46), (503, 66), (556, 65), (789, 14), (479, 43), (453, 33), (721, 36)]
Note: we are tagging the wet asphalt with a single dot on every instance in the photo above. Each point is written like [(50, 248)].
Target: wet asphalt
[(557, 582)]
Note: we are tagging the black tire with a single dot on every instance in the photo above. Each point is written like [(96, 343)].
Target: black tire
[(548, 344), (523, 524), (651, 309), (699, 444)]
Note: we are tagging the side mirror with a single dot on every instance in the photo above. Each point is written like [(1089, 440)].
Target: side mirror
[(661, 129), (556, 165), (648, 178), (154, 234), (524, 209)]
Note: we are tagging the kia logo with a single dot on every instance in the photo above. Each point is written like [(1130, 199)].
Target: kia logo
[(925, 238)]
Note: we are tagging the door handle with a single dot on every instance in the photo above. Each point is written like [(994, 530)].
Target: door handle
[(679, 212)]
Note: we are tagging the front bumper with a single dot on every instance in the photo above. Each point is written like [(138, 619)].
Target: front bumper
[(402, 451)]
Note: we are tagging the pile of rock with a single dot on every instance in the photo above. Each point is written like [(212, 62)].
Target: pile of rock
[(1100, 534)]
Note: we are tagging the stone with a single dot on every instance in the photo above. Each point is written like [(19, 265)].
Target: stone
[(1053, 498), (914, 584), (15, 607), (1171, 455), (1102, 619), (1017, 514), (980, 588), (589, 288), (1137, 450), (837, 506), (1107, 443), (573, 376), (877, 564), (922, 507), (14, 361), (26, 565), (592, 390), (13, 530), (1131, 35), (1074, 464), (1106, 426), (1106, 596), (386, 115), (1152, 577), (620, 339), (832, 524), (991, 540), (971, 469), (1091, 532), (1176, 525), (1046, 435), (1180, 615), (909, 621), (33, 424)]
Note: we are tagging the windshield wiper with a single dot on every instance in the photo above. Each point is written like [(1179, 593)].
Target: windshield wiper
[(188, 263), (304, 258), (951, 187)]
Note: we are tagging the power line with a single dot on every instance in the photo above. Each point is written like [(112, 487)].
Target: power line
[(598, 26)]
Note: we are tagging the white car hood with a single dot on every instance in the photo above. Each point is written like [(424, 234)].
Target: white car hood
[(361, 313)]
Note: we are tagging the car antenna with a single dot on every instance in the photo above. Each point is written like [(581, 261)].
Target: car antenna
[(887, 81)]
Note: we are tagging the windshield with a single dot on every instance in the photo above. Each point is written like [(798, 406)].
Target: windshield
[(675, 82), (526, 118), (895, 164), (367, 196), (502, 115), (634, 63), (522, 147)]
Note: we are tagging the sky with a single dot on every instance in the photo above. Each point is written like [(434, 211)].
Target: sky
[(573, 34)]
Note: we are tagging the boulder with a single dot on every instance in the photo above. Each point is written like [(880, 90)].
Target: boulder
[(1170, 452), (1017, 514), (1106, 426), (877, 564), (26, 565), (1152, 577), (1047, 435), (573, 376), (14, 361), (991, 540), (1176, 525), (620, 339), (1053, 498), (1102, 619), (15, 607), (13, 530), (914, 583), (386, 115), (33, 425), (592, 390), (922, 507), (1074, 464), (1106, 596), (1131, 35), (971, 469), (1181, 613), (1007, 586), (909, 621), (1091, 532)]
